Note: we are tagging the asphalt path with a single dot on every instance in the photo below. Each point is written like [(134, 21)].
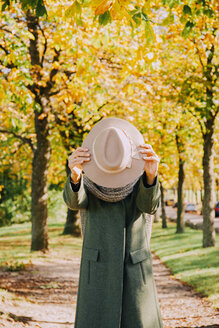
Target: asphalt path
[(191, 219)]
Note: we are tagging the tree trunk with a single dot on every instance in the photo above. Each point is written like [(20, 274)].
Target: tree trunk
[(156, 216), (180, 198), (42, 152), (72, 219), (202, 196), (72, 223), (208, 165), (181, 177), (163, 212), (209, 195), (39, 210)]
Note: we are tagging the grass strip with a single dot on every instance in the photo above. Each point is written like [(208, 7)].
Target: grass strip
[(15, 244), (188, 260)]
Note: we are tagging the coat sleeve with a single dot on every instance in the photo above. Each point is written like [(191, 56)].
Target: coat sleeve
[(148, 197), (75, 200)]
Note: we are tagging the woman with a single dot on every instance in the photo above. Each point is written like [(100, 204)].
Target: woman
[(119, 185)]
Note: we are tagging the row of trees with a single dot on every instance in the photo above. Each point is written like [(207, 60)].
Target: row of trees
[(63, 72)]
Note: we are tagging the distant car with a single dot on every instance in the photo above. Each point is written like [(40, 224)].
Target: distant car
[(170, 202), (217, 210), (191, 208)]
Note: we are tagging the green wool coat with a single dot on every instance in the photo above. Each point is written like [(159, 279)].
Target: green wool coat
[(116, 285)]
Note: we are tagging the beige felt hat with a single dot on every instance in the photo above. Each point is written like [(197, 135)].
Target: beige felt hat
[(115, 157)]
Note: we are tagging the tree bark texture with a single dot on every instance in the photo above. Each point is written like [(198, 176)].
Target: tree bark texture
[(42, 150), (180, 189), (163, 212), (72, 223), (209, 190), (40, 166), (156, 216), (180, 198), (208, 165)]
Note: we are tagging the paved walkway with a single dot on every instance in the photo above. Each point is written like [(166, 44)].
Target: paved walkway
[(181, 307), (45, 297)]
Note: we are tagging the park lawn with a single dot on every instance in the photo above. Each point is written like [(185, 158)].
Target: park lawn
[(15, 244), (188, 261), (15, 240)]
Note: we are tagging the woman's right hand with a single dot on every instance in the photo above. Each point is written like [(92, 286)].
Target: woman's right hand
[(78, 157)]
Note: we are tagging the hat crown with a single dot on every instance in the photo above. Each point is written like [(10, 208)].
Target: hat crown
[(112, 150), (115, 158)]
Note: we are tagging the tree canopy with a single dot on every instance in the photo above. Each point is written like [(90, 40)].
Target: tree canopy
[(66, 65)]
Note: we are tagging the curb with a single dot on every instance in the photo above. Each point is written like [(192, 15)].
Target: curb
[(196, 226)]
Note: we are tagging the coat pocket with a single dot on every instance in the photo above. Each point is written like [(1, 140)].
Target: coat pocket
[(94, 268), (139, 259)]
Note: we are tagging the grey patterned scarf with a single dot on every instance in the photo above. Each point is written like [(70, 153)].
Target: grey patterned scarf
[(110, 195)]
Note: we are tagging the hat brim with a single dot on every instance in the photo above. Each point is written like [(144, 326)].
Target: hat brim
[(128, 175)]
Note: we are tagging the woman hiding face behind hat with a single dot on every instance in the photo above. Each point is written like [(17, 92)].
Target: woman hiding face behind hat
[(114, 184)]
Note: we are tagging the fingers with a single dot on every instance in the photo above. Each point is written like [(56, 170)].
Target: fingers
[(147, 146), (152, 158), (80, 153), (150, 153), (147, 151), (78, 157), (84, 152)]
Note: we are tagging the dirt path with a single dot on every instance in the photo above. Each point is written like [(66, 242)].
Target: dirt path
[(44, 296), (180, 306)]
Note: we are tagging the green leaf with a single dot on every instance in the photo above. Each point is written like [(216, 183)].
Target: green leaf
[(187, 10), (41, 9), (105, 18), (172, 3), (169, 19), (182, 19), (149, 34), (137, 18), (197, 12), (78, 7), (208, 12), (27, 4), (133, 12), (187, 29), (70, 11), (74, 11), (13, 122), (145, 17), (5, 4)]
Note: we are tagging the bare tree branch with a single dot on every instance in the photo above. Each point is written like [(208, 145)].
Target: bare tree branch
[(53, 73), (15, 35), (45, 45), (199, 121), (23, 139), (69, 73), (106, 103), (55, 92), (216, 112), (4, 49), (8, 65)]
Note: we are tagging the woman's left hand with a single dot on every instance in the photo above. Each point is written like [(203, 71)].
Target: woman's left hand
[(151, 162)]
